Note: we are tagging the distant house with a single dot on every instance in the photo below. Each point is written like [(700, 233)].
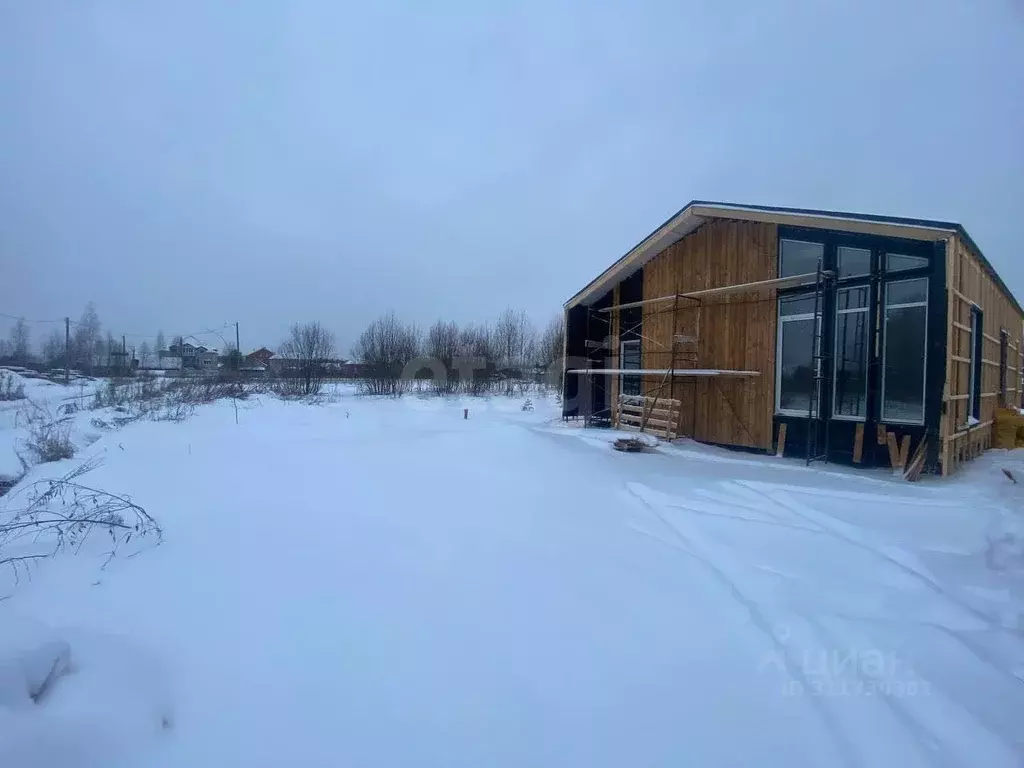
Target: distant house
[(186, 350), (207, 360), (260, 357), (194, 356)]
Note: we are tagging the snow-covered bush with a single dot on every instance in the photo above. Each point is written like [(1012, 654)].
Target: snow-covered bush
[(163, 400), (11, 387), (201, 390), (49, 436), (137, 396)]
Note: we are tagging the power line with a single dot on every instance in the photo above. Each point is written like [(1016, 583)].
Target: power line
[(29, 320), (214, 331)]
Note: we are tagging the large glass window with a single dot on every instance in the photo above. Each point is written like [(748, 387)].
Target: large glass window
[(897, 262), (904, 353), (798, 257), (850, 382), (975, 383), (630, 383), (1004, 350), (853, 262), (795, 355)]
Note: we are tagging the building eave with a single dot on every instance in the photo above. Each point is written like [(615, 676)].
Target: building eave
[(696, 212)]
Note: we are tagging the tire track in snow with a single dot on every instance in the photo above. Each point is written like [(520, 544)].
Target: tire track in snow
[(924, 737), (835, 529), (684, 544), (841, 532)]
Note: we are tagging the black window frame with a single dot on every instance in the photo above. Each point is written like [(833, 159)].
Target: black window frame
[(932, 267), (633, 380), (895, 278), (1004, 362), (782, 320), (865, 311), (977, 349)]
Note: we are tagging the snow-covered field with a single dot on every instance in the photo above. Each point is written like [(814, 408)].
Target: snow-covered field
[(375, 582)]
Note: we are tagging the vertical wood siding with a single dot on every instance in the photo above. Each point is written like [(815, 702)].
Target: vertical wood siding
[(736, 332), (967, 284)]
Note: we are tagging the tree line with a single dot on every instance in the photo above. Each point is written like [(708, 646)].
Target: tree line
[(84, 347), (474, 358), (390, 353)]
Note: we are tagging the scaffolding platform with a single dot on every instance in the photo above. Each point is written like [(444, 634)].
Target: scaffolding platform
[(681, 372)]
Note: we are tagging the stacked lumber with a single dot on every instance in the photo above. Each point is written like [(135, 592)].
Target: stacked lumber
[(654, 416)]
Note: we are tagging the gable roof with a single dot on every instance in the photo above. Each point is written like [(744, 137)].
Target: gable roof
[(696, 212)]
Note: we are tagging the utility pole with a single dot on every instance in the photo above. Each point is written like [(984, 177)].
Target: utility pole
[(67, 351), (238, 349), (124, 357)]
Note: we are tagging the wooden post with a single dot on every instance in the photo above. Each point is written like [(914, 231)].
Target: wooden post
[(894, 451), (904, 450), (858, 444), (781, 445), (913, 469), (465, 413)]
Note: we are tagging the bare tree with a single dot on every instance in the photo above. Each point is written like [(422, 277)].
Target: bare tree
[(53, 349), (111, 350), (232, 358), (514, 343), (442, 346), (550, 350), (385, 348), (88, 346), (20, 347), (476, 358), (308, 350), (161, 342)]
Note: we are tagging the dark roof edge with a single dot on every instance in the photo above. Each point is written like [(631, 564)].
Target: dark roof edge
[(934, 224), (956, 227)]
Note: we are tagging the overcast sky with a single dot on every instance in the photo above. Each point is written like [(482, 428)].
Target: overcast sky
[(188, 163)]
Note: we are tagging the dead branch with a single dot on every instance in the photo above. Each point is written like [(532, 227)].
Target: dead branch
[(56, 514)]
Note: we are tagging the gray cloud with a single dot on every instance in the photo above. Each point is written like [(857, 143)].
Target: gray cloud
[(184, 164)]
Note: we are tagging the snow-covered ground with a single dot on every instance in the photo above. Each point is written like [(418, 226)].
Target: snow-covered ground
[(13, 414), (375, 582)]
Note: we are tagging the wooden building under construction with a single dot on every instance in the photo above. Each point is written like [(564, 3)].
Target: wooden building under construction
[(834, 336)]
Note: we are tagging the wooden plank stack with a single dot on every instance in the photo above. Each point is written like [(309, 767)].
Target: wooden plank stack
[(655, 416)]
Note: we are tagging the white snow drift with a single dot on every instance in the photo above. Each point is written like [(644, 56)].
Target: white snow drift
[(378, 582)]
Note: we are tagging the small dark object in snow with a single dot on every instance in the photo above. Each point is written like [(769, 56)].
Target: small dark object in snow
[(630, 445), (1009, 474), (528, 405)]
